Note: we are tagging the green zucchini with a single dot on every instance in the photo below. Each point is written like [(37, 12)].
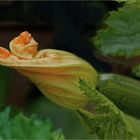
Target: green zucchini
[(123, 91)]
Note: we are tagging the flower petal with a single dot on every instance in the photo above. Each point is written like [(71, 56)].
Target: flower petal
[(56, 73)]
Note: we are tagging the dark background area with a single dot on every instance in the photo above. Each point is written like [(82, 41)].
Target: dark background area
[(60, 25)]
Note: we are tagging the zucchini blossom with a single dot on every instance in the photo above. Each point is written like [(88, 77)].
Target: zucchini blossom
[(56, 73)]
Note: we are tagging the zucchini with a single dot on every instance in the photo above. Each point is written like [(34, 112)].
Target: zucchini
[(123, 91)]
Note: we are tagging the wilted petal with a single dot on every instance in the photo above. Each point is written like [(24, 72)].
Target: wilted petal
[(24, 46)]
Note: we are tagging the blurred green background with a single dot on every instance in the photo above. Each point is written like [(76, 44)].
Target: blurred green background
[(60, 25)]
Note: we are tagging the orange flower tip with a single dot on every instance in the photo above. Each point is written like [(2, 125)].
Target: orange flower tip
[(24, 46), (4, 53), (23, 38)]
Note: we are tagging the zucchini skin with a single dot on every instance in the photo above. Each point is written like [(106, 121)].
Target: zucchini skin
[(122, 90)]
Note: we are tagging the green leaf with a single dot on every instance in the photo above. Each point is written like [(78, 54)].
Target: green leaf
[(106, 119), (136, 71), (57, 135), (122, 35), (128, 1), (22, 127)]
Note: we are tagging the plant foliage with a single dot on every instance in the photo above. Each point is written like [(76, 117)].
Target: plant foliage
[(128, 1), (136, 71), (106, 120), (122, 36), (21, 127)]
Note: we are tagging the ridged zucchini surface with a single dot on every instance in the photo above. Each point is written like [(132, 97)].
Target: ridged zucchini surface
[(123, 91)]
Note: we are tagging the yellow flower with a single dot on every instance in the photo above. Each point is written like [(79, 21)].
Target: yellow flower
[(56, 73)]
